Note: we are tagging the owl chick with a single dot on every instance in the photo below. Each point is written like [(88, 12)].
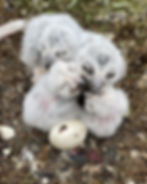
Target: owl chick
[(61, 95), (47, 38), (52, 99), (104, 112), (101, 60)]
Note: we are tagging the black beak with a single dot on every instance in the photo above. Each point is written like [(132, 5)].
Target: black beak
[(48, 61), (85, 84)]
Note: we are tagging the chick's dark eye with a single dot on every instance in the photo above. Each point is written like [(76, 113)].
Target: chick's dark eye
[(110, 75), (88, 69), (47, 65)]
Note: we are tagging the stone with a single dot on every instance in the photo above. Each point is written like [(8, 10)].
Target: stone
[(7, 133)]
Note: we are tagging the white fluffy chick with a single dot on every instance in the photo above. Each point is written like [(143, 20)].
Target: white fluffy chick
[(104, 112), (48, 38), (101, 60), (52, 99)]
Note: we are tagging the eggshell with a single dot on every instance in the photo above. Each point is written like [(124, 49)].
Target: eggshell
[(68, 135)]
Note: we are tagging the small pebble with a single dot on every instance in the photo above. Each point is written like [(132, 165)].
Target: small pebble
[(19, 164), (130, 181), (142, 137), (7, 133), (92, 169), (111, 169), (45, 181), (64, 176), (142, 83), (27, 155), (6, 151), (134, 154)]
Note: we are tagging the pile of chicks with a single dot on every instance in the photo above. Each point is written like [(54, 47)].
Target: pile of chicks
[(74, 76)]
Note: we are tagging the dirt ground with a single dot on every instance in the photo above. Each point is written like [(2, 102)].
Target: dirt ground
[(121, 159)]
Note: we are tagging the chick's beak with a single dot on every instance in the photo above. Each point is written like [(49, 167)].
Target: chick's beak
[(96, 85), (48, 60), (84, 84), (93, 85)]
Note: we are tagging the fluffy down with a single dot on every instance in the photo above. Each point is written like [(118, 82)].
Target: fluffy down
[(105, 111), (52, 99), (50, 37)]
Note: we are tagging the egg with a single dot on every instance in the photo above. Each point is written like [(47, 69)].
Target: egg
[(68, 135)]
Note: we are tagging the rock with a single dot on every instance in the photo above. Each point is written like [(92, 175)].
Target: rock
[(130, 181), (92, 169), (27, 155), (138, 154), (142, 83), (7, 133), (134, 154), (64, 176), (111, 169), (45, 181), (142, 137), (6, 151), (68, 135)]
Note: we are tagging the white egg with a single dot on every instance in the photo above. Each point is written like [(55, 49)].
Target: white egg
[(68, 135)]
